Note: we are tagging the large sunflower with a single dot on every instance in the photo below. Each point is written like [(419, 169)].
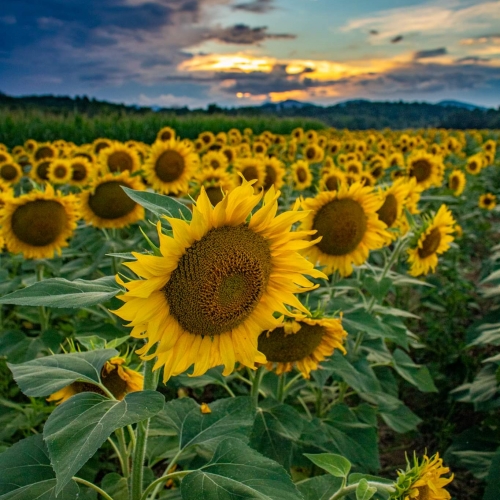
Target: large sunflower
[(106, 205), (119, 158), (301, 174), (38, 224), (349, 226), (426, 168), (170, 166), (303, 343), (434, 239), (10, 172), (217, 284), (456, 182)]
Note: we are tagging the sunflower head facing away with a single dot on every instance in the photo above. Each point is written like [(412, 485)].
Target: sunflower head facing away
[(218, 283), (118, 379), (302, 342), (38, 224), (433, 240), (488, 201)]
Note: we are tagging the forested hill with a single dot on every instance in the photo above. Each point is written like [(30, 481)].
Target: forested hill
[(358, 114)]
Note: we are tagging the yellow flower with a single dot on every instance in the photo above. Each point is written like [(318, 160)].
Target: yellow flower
[(394, 198), (59, 171), (303, 343), (119, 380), (216, 183), (456, 182), (82, 171), (217, 284), (488, 201), (332, 180), (434, 240), (426, 168), (10, 172), (474, 164), (165, 134), (38, 224), (215, 160), (40, 171), (349, 226), (275, 171), (106, 205), (204, 408), (301, 175), (99, 144), (313, 153), (44, 151), (252, 169), (118, 158), (170, 166)]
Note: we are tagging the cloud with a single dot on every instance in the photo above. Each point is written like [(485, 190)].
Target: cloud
[(255, 6), (171, 101), (481, 40), (425, 54), (243, 34)]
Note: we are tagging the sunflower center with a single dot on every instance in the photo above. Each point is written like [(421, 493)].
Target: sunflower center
[(473, 165), (79, 172), (114, 383), (454, 183), (487, 201), (250, 173), (270, 177), (214, 194), (119, 161), (44, 152), (169, 166), (8, 172), (60, 172), (39, 222), (388, 212), (219, 280), (109, 200), (377, 172), (214, 163), (421, 169), (281, 348), (42, 170), (342, 224), (101, 145), (310, 153), (301, 174), (424, 493), (332, 183), (166, 135), (430, 243)]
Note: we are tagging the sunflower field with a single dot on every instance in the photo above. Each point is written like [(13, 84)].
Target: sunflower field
[(277, 316)]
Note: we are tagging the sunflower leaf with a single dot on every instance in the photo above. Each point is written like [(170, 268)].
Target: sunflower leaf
[(238, 471), (44, 376), (59, 292), (336, 465), (76, 429), (26, 473)]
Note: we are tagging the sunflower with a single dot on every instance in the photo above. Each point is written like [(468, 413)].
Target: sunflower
[(275, 171), (456, 182), (488, 201), (59, 171), (333, 147), (433, 240), (118, 158), (215, 159), (259, 148), (474, 164), (99, 144), (207, 139), (313, 153), (6, 191), (216, 183), (229, 153), (332, 180), (311, 136), (394, 198), (251, 169), (30, 145), (10, 172), (106, 205), (5, 156), (426, 168), (423, 480), (353, 166), (38, 224), (44, 151), (165, 134), (303, 343), (396, 159), (82, 171), (170, 166), (298, 134), (119, 380), (40, 171), (349, 226), (301, 175), (367, 179), (243, 271)]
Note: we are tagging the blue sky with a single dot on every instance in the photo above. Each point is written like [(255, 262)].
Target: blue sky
[(245, 52)]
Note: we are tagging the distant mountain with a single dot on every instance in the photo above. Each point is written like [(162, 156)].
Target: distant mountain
[(460, 104), (288, 104)]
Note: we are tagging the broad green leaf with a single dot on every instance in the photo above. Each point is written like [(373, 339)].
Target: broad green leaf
[(26, 473), (44, 376), (92, 342), (364, 491), (236, 471), (362, 321), (76, 429), (378, 288), (277, 426), (419, 376), (58, 292), (493, 479), (160, 204), (336, 465), (319, 487), (115, 486)]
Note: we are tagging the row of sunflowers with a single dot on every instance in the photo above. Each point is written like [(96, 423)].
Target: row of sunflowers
[(274, 272)]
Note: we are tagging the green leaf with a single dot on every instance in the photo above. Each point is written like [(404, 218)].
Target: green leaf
[(236, 471), (115, 486), (336, 465), (416, 375), (362, 321), (277, 426), (59, 292), (364, 491), (319, 487), (160, 204), (44, 376), (76, 429), (378, 288), (493, 479), (26, 473), (92, 342)]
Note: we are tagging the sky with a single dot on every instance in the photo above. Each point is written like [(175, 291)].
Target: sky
[(176, 53)]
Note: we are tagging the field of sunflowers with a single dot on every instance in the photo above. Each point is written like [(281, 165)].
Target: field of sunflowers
[(300, 316)]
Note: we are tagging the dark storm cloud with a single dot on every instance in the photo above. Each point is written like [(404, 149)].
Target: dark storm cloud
[(243, 34), (256, 6), (472, 59), (423, 54)]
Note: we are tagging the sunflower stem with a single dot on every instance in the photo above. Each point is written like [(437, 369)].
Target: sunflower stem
[(156, 484), (122, 446), (280, 392), (150, 383), (44, 317), (92, 486), (257, 378), (345, 490)]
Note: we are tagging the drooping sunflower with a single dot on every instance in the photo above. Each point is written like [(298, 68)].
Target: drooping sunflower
[(216, 182), (456, 182), (426, 168), (275, 172), (487, 201), (82, 171), (170, 166), (118, 158), (423, 480), (165, 134), (433, 240), (251, 169), (118, 379), (349, 226), (106, 205), (10, 172), (40, 171), (302, 342), (301, 174), (59, 171), (394, 198), (243, 271), (38, 224), (215, 159)]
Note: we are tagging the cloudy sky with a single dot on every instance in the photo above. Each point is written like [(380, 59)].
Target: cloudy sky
[(245, 52)]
